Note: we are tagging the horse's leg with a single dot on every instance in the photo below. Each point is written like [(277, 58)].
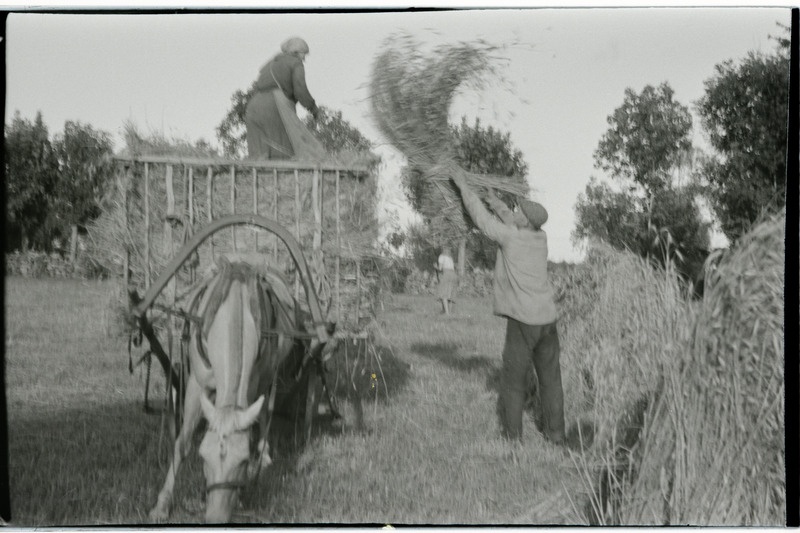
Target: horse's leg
[(191, 417)]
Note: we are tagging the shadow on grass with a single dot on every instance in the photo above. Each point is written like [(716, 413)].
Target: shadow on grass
[(579, 435), (102, 464), (533, 404), (399, 308), (358, 372), (106, 462), (447, 354)]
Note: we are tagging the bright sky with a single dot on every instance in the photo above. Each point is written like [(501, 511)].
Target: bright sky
[(176, 74)]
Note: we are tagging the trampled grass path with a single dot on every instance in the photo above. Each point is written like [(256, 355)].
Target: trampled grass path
[(82, 451)]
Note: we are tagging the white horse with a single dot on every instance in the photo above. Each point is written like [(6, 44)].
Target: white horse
[(227, 356)]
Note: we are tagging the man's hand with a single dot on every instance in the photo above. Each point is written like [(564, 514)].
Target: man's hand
[(483, 219)]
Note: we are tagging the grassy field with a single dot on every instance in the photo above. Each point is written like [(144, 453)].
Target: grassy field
[(681, 402), (82, 451)]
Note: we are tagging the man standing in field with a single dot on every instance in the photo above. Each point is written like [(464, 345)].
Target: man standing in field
[(522, 294)]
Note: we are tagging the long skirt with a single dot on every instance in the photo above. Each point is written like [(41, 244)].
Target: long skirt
[(274, 130), (447, 284)]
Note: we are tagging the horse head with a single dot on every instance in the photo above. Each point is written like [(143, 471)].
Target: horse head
[(231, 328), (225, 450)]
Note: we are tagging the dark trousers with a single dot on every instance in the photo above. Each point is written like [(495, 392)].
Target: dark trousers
[(526, 344)]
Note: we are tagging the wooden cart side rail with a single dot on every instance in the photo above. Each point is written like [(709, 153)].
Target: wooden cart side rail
[(239, 220), (248, 163)]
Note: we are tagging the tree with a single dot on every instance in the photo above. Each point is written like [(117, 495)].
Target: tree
[(745, 113), (647, 142), (647, 137), (421, 249), (671, 229), (609, 216), (482, 151), (84, 167), (335, 133), (232, 132), (485, 151), (30, 166)]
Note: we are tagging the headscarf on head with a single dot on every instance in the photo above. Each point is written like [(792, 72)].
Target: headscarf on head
[(536, 213), (294, 45)]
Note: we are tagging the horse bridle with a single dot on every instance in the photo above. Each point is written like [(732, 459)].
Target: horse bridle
[(226, 485)]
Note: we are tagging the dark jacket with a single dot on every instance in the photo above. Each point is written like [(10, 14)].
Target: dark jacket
[(287, 72)]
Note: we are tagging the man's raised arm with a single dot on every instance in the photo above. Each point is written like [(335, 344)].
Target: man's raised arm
[(488, 224)]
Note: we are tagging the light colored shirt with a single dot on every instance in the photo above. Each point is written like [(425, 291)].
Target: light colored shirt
[(446, 262), (521, 287)]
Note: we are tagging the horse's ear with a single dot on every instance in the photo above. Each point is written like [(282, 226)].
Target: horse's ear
[(246, 418)]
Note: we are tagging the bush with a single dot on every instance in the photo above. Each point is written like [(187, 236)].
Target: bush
[(477, 283), (34, 264)]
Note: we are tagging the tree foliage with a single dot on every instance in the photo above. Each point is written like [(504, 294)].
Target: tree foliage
[(420, 246), (487, 151), (745, 115), (607, 215), (336, 134), (330, 127), (31, 173), (53, 186), (647, 141), (669, 228), (478, 149), (232, 132), (647, 136), (84, 168)]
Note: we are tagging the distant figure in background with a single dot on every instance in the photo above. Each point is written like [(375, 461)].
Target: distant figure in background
[(273, 129), (522, 294), (447, 279)]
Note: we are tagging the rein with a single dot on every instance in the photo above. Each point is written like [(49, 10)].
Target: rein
[(234, 485), (180, 313), (226, 485)]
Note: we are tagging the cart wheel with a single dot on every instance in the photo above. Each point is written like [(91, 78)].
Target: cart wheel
[(312, 400)]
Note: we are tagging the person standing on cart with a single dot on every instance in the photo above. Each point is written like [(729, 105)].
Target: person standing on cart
[(273, 129)]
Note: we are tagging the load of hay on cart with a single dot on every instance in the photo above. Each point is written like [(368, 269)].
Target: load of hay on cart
[(305, 226)]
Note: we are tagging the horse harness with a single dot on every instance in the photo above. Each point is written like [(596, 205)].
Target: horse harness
[(265, 297), (267, 331)]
